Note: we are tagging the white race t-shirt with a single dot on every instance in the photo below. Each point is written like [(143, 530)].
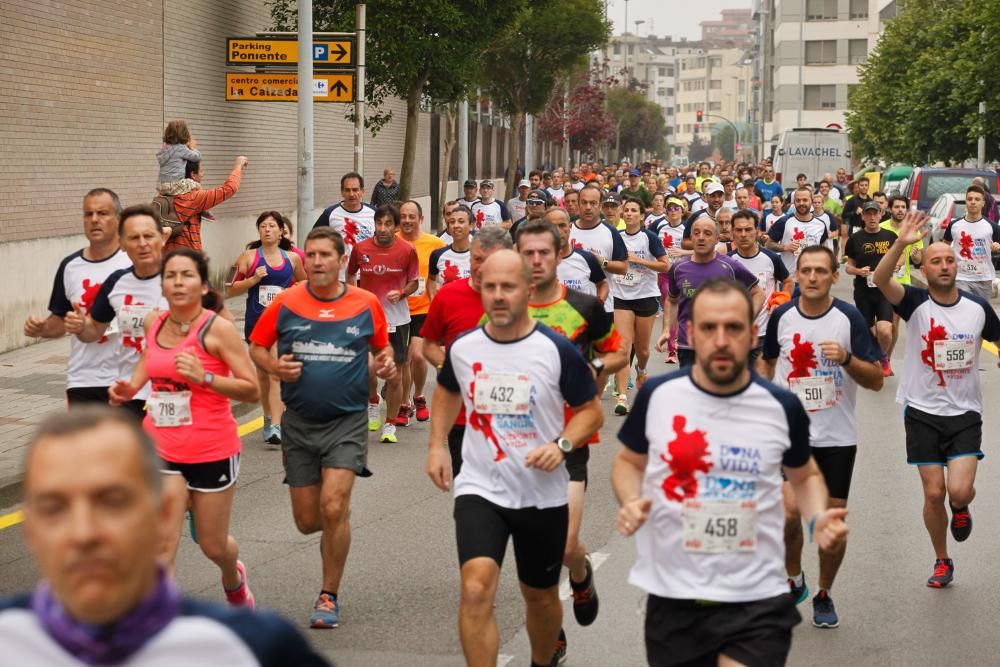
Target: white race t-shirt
[(789, 228), (638, 282), (354, 226), (447, 264), (484, 215), (972, 243), (941, 367), (517, 208), (580, 271), (770, 272), (514, 395), (78, 280), (603, 240), (716, 527), (826, 390), (126, 300)]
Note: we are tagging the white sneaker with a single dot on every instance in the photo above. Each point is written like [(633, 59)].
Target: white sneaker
[(388, 433), (374, 420)]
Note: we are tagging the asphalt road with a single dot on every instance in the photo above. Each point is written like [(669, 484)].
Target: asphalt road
[(400, 592)]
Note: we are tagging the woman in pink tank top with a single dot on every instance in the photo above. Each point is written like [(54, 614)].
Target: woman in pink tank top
[(196, 362)]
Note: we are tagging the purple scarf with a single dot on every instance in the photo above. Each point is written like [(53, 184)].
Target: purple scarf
[(114, 643)]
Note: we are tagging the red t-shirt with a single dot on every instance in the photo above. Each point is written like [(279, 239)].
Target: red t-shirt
[(382, 269), (456, 308)]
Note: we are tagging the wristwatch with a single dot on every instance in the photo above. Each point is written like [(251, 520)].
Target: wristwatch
[(604, 262), (847, 359), (207, 379), (597, 365), (565, 445)]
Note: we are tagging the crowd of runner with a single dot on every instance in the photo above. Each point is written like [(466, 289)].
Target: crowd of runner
[(526, 313)]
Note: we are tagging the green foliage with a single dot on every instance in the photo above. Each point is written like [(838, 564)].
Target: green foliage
[(921, 86), (640, 122), (698, 150)]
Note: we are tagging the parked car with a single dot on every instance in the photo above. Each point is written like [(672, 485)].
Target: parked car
[(894, 178), (926, 184), (946, 208)]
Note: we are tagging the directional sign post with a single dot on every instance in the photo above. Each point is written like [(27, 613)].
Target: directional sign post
[(276, 51), (283, 87)]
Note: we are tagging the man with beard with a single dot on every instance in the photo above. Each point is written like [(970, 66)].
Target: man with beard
[(819, 347), (708, 542), (715, 195), (940, 389), (796, 231)]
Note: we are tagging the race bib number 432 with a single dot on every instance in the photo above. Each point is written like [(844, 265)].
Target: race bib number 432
[(719, 526), (502, 393)]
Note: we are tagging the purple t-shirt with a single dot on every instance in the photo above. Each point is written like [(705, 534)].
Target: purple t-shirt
[(686, 276)]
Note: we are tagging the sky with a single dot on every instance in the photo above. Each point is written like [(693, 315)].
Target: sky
[(676, 18)]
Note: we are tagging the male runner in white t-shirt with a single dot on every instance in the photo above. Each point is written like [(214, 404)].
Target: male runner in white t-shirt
[(939, 387)]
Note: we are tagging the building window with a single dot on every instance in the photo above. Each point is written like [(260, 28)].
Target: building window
[(716, 84), (859, 9), (820, 97), (715, 106), (670, 92), (742, 86), (687, 127), (821, 52), (857, 51), (741, 109), (821, 10), (670, 70), (715, 61), (617, 49)]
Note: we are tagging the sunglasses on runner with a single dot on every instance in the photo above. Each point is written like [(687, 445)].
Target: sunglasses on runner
[(673, 207), (536, 202)]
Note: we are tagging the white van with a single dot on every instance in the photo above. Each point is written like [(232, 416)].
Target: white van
[(810, 151)]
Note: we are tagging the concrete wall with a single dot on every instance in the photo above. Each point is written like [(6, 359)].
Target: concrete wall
[(87, 87)]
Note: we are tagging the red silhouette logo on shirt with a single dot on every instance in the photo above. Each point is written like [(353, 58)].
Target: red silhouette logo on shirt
[(451, 272), (965, 243), (802, 358), (128, 341), (688, 455), (935, 333), (350, 232), (483, 423), (668, 241), (480, 216), (87, 299), (576, 244), (798, 234)]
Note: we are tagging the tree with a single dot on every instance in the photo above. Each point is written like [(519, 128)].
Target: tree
[(640, 123), (581, 114), (523, 60), (698, 150), (414, 49), (921, 86)]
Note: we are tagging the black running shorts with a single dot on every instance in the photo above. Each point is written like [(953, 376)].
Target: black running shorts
[(483, 528), (645, 307), (576, 464), (400, 341), (873, 306), (837, 466), (934, 440), (455, 437), (209, 477), (76, 396), (692, 633)]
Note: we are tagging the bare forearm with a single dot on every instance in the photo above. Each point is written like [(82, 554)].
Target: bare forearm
[(434, 353), (619, 267), (445, 407), (626, 480)]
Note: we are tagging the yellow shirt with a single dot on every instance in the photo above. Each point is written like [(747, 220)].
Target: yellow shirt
[(427, 243), (903, 275)]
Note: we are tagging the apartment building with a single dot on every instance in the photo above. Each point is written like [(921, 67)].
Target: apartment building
[(809, 53), (716, 82)]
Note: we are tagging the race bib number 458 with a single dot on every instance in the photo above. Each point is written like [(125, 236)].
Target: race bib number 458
[(719, 526)]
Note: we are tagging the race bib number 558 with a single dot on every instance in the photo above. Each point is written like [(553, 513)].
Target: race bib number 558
[(952, 355)]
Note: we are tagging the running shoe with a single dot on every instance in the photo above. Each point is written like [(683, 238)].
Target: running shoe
[(241, 597), (420, 408), (671, 358), (886, 368), (961, 524), (403, 416), (824, 613), (388, 433), (631, 383), (559, 657), (640, 377), (799, 593), (621, 405), (326, 612), (944, 572), (272, 434), (585, 604), (374, 420)]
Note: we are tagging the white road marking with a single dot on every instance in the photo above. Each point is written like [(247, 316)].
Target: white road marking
[(597, 558)]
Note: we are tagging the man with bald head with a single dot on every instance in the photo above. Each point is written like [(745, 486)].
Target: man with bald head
[(939, 387), (93, 518), (513, 375)]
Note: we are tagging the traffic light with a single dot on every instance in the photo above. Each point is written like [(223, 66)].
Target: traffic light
[(699, 115), (696, 128)]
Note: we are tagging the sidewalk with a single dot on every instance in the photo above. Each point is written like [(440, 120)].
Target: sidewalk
[(33, 384)]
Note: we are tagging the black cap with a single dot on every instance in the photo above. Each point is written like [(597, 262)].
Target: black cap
[(870, 206), (538, 194), (469, 184), (611, 197)]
